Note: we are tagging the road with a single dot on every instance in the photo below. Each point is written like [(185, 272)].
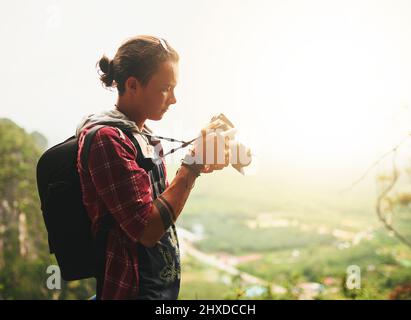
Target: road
[(209, 259)]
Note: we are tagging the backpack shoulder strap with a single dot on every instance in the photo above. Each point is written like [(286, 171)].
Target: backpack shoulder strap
[(88, 139), (133, 139), (146, 163)]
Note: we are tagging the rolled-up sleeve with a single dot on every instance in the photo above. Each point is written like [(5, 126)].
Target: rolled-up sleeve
[(123, 186)]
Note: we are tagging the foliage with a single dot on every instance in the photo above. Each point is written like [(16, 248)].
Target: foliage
[(24, 254)]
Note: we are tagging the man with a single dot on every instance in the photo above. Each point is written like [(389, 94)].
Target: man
[(141, 258)]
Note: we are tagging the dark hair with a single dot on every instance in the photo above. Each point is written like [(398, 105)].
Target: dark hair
[(139, 57)]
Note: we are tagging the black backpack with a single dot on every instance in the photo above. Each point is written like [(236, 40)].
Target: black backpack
[(70, 238)]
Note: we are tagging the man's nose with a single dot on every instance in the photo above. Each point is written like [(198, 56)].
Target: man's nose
[(172, 99)]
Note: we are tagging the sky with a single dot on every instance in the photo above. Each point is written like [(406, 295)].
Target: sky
[(311, 85)]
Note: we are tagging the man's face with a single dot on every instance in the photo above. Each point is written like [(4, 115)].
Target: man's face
[(158, 94)]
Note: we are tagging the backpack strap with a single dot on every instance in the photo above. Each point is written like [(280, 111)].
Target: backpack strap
[(145, 163), (88, 139)]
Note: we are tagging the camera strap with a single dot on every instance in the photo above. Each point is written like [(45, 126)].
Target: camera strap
[(183, 143)]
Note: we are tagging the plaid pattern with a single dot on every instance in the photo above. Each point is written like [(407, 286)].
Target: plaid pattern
[(115, 184)]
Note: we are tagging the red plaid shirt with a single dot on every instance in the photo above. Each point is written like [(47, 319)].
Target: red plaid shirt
[(115, 184)]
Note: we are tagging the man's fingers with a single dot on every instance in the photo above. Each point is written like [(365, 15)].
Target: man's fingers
[(214, 167), (207, 169), (213, 149), (218, 166)]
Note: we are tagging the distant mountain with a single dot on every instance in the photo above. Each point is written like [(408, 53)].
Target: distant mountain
[(40, 140)]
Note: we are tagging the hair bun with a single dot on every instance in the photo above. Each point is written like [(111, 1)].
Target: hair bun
[(104, 64), (107, 72)]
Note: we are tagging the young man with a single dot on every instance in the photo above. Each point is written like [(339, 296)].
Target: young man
[(141, 258)]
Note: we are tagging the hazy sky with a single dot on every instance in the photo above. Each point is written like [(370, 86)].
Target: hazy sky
[(324, 83)]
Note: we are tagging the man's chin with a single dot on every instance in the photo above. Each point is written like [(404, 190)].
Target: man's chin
[(157, 117)]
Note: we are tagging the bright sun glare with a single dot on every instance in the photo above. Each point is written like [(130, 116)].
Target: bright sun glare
[(326, 85)]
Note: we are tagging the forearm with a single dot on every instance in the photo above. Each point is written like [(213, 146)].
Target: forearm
[(179, 190), (175, 196)]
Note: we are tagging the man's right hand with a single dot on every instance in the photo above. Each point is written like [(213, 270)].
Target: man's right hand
[(210, 150)]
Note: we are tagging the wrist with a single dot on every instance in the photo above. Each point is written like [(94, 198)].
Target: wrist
[(187, 176), (193, 169), (189, 163)]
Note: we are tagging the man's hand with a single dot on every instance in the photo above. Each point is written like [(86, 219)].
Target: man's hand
[(217, 145), (210, 150)]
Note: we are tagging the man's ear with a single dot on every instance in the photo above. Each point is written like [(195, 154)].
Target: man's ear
[(132, 85)]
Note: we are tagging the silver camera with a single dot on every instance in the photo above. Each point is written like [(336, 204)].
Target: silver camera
[(239, 154)]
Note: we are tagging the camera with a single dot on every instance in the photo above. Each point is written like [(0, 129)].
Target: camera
[(239, 154)]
